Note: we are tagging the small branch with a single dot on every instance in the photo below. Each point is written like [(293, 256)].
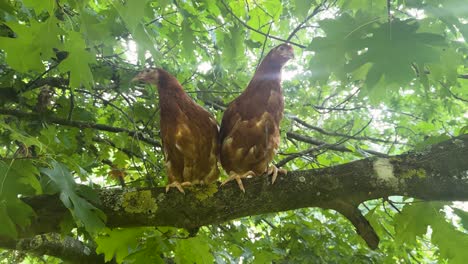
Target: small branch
[(406, 114), (52, 81), (72, 105), (329, 109), (300, 26), (36, 82), (258, 31), (457, 97), (106, 102), (293, 156), (317, 142), (335, 134), (112, 144), (215, 105), (263, 46), (79, 124)]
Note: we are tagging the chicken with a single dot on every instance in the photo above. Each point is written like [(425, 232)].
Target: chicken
[(249, 134), (189, 133)]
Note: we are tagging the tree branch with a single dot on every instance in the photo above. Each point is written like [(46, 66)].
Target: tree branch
[(68, 249), (323, 144), (259, 31), (316, 10), (438, 172), (78, 124), (335, 134)]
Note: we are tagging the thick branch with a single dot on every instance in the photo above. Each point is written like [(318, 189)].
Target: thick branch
[(78, 124), (67, 248), (439, 172)]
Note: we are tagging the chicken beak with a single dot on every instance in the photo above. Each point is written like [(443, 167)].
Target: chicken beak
[(137, 78), (290, 55)]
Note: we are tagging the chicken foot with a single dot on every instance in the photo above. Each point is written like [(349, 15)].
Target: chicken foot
[(178, 185), (238, 177), (273, 170)]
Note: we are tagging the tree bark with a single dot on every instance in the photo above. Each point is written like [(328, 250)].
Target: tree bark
[(66, 248), (438, 172)]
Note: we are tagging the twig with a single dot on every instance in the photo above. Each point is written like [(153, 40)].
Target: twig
[(72, 105), (78, 124), (112, 144), (106, 102), (453, 94), (263, 46), (335, 134), (258, 31), (300, 26), (320, 145)]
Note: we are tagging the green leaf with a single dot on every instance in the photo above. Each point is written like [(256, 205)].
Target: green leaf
[(234, 43), (343, 36), (16, 178), (119, 242), (447, 68), (23, 138), (145, 43), (275, 8), (372, 6), (193, 250), (187, 40), (414, 220), (5, 6), (32, 44), (302, 7), (391, 51), (39, 6), (463, 130), (432, 140), (26, 174), (78, 61), (95, 29), (152, 250), (463, 216), (265, 256), (91, 217), (7, 228), (452, 243), (131, 12), (21, 53)]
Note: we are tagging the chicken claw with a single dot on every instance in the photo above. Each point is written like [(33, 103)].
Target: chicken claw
[(238, 178), (178, 185), (274, 171)]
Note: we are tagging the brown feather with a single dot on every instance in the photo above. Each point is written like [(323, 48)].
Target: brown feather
[(249, 133), (189, 133)]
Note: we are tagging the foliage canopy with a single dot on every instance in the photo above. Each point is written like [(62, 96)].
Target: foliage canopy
[(370, 78)]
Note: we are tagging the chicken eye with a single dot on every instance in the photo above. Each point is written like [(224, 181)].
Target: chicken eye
[(147, 70), (281, 48)]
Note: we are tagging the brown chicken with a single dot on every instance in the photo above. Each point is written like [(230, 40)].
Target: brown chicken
[(249, 133), (189, 133)]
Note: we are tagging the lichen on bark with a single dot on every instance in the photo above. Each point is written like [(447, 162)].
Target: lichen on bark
[(139, 202)]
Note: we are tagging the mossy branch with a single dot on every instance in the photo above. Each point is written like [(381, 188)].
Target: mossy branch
[(439, 172)]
